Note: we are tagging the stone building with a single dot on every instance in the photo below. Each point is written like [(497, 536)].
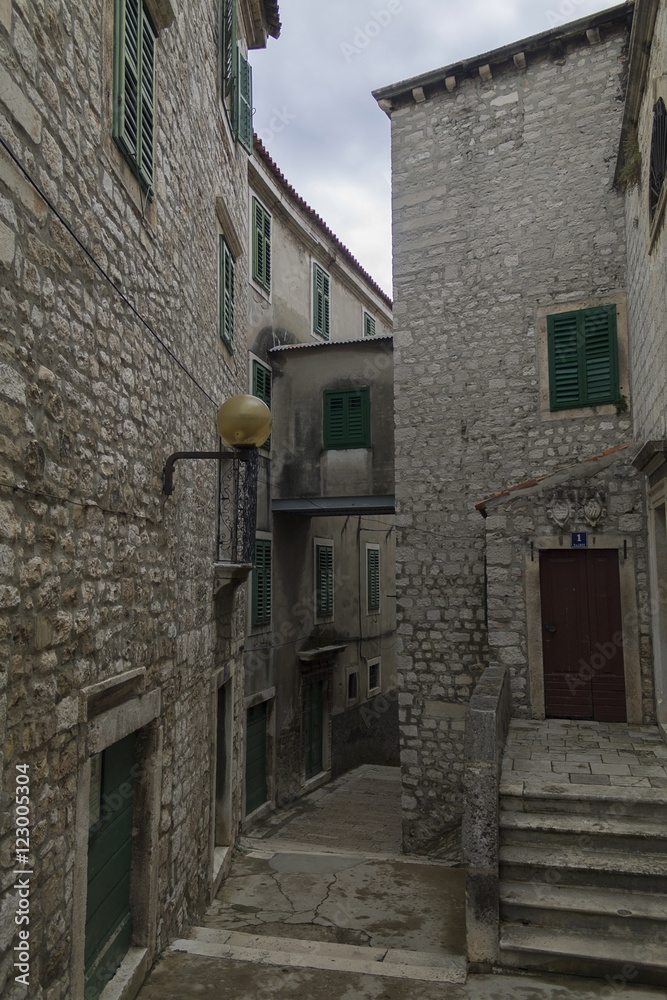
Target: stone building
[(125, 132), (514, 398), (320, 676), (641, 167)]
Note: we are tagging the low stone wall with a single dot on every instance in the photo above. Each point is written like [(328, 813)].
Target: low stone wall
[(487, 722)]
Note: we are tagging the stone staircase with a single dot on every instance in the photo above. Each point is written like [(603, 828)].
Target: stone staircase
[(583, 881)]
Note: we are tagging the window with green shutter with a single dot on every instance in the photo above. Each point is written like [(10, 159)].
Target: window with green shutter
[(261, 245), (261, 387), (228, 51), (324, 581), (373, 577), (134, 88), (583, 358), (321, 307), (347, 418), (261, 583), (243, 115), (226, 282), (369, 325)]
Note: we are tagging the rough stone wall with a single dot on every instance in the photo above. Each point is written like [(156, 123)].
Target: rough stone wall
[(503, 205), (647, 287), (101, 574)]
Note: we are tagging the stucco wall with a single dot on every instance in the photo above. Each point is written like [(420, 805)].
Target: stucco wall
[(503, 211)]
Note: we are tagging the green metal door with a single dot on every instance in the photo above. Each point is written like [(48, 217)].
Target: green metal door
[(256, 788), (313, 727), (108, 917)]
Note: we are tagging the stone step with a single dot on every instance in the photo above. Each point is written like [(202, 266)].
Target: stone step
[(584, 954), (394, 963), (644, 872), (544, 796), (568, 829), (612, 911)]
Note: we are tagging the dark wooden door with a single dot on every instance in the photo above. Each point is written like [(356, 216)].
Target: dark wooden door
[(256, 783), (313, 727), (582, 638), (108, 917)]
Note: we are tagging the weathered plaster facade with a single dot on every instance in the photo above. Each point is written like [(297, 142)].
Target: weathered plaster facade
[(504, 213), (111, 360), (280, 662)]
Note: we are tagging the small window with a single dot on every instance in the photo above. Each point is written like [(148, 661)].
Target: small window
[(352, 685), (658, 167), (583, 358), (226, 284), (373, 676), (373, 578), (261, 245), (134, 88), (321, 307), (261, 583), (261, 387), (347, 418), (324, 581), (369, 325)]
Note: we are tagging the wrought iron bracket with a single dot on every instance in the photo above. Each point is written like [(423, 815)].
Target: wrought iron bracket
[(240, 454)]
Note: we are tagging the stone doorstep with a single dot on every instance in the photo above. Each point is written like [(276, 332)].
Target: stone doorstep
[(390, 962), (576, 859), (611, 903), (581, 823), (585, 946), (531, 789)]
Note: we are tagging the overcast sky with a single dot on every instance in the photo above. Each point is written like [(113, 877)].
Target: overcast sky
[(312, 94)]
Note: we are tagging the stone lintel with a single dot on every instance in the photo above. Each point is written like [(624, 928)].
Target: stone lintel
[(98, 698), (228, 227)]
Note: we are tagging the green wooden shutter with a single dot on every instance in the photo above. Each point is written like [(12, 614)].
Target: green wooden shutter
[(600, 355), (261, 583), (226, 279), (134, 87), (324, 595), (321, 310), (261, 387), (261, 245), (228, 48), (369, 325), (373, 579), (347, 421), (583, 358), (244, 105)]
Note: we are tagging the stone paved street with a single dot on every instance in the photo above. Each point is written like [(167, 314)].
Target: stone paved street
[(321, 904), (597, 754)]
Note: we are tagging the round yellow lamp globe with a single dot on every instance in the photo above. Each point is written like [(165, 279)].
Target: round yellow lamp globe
[(244, 421)]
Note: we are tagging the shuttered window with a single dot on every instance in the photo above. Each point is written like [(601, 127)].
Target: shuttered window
[(583, 358), (324, 584), (228, 50), (261, 583), (373, 578), (261, 387), (134, 88), (261, 245), (226, 280), (321, 306), (369, 325), (658, 162), (347, 418), (243, 116)]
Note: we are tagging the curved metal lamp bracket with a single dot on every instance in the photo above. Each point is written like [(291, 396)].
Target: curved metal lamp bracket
[(240, 454)]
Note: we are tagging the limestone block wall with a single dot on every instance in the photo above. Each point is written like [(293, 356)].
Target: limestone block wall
[(104, 371), (647, 263), (503, 211)]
